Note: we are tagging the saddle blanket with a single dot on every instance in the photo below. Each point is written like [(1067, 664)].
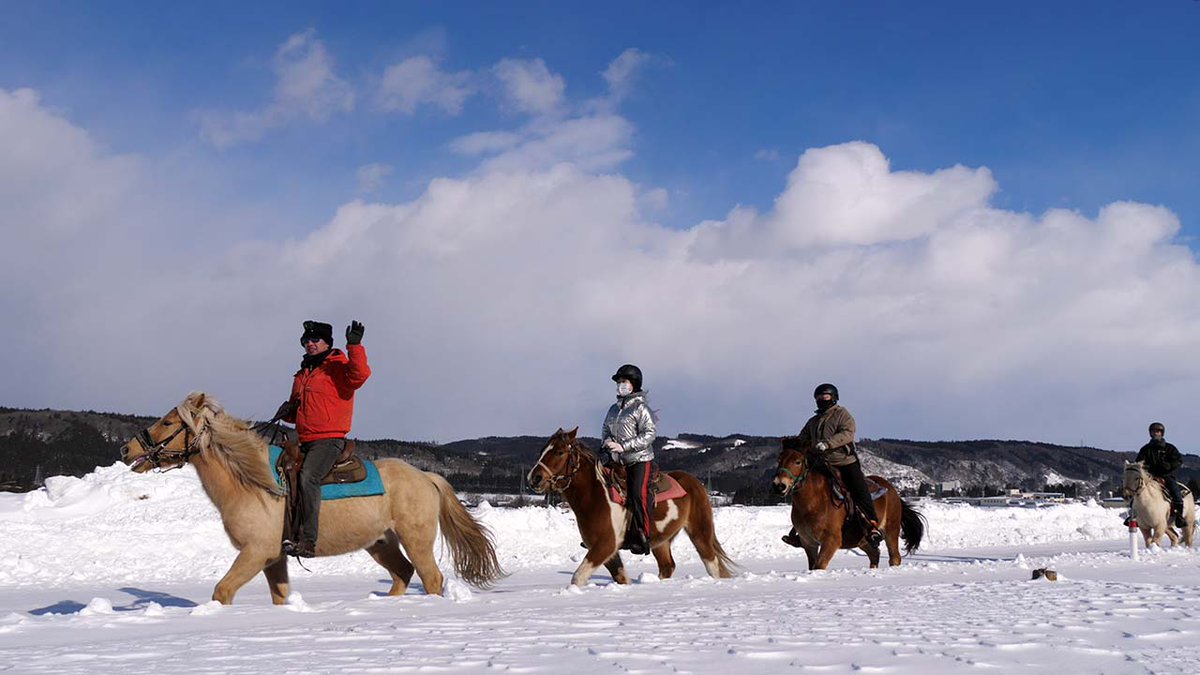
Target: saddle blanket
[(371, 485), (668, 488), (876, 489)]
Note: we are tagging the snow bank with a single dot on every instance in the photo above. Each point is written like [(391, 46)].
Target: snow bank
[(114, 525)]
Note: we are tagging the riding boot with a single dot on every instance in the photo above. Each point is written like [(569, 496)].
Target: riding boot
[(852, 475), (1176, 500), (792, 538)]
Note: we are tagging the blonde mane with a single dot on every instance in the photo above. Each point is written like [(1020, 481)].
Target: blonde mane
[(231, 441)]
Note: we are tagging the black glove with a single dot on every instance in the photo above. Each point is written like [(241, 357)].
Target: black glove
[(354, 333), (286, 410)]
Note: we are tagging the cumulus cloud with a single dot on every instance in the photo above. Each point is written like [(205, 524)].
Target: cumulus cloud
[(499, 301), (529, 86), (306, 89), (420, 81)]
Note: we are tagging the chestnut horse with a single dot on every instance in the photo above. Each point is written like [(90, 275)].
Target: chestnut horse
[(824, 523), (568, 467), (231, 461)]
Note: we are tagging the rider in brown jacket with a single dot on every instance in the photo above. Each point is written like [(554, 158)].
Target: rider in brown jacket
[(830, 433)]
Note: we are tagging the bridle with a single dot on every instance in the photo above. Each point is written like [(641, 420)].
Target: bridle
[(796, 479), (157, 452), (1141, 480), (558, 482)]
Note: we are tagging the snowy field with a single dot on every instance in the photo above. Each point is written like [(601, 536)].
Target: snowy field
[(112, 573)]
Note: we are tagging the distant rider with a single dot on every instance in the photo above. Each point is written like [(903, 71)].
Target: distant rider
[(628, 436), (1162, 459), (830, 432), (322, 406)]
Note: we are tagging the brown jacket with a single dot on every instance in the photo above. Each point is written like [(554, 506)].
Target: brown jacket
[(836, 428)]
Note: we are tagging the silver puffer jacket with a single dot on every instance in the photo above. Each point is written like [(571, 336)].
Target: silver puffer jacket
[(630, 423)]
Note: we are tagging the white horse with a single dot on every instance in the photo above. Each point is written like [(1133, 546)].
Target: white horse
[(1151, 506)]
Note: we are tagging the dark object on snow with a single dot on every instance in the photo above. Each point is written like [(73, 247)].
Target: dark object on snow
[(1050, 575)]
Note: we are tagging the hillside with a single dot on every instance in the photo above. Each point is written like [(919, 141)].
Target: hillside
[(39, 443)]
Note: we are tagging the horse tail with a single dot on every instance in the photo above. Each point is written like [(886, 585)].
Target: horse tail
[(470, 541), (912, 527), (702, 526)]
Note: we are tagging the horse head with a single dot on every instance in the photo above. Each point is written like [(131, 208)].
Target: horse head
[(1135, 478), (557, 464), (175, 438), (792, 469)]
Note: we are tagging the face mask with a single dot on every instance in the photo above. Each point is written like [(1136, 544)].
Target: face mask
[(624, 389)]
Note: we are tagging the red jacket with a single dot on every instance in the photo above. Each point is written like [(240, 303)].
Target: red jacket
[(326, 394)]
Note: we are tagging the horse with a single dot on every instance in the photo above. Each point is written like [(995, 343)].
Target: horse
[(823, 522), (568, 467), (1152, 507), (232, 463)]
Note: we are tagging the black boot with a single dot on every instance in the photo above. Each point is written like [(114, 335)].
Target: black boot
[(1179, 520), (636, 542), (792, 538)]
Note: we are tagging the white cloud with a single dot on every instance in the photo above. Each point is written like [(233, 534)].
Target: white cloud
[(621, 72), (498, 302), (529, 86), (306, 89), (371, 177), (419, 81)]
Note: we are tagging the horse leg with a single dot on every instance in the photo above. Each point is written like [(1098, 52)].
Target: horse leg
[(387, 553), (829, 549), (616, 567), (247, 564), (666, 562), (595, 558), (418, 541), (277, 580), (872, 554)]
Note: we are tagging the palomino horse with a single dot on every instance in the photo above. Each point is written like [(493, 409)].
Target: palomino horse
[(231, 461), (823, 523), (1151, 506), (568, 467)]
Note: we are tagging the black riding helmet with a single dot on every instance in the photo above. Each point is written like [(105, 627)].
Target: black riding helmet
[(1157, 426), (826, 389), (629, 372)]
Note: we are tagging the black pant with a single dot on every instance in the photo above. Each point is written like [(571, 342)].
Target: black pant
[(319, 458), (1173, 490), (637, 496), (852, 476)]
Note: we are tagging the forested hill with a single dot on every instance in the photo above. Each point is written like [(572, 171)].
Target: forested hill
[(35, 444)]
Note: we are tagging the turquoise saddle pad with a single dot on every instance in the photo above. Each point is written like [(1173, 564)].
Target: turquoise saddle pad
[(371, 485)]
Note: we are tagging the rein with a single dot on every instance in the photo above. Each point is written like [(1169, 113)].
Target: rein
[(157, 452), (796, 480), (560, 482)]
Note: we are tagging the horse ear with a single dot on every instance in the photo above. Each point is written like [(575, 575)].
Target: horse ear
[(573, 432)]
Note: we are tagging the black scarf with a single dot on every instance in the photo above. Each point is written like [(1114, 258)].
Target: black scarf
[(314, 361)]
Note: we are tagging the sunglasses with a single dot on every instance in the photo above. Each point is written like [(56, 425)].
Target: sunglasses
[(306, 340)]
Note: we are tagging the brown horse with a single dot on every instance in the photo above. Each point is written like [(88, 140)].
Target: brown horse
[(824, 523), (568, 467), (231, 461)]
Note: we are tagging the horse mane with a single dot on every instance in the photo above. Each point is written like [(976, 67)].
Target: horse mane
[(232, 442)]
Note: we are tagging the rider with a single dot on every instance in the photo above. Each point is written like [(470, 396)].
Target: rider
[(1161, 459), (321, 406), (628, 436), (830, 432)]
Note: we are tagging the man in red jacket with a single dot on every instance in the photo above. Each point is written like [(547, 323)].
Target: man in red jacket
[(321, 406)]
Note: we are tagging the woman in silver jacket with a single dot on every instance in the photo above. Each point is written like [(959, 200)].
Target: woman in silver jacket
[(628, 436)]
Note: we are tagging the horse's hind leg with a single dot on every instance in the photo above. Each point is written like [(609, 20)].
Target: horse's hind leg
[(418, 541), (616, 567), (666, 562), (277, 580), (247, 564), (892, 538), (387, 553)]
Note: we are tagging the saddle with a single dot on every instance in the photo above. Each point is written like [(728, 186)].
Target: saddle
[(662, 485), (347, 469), (839, 494)]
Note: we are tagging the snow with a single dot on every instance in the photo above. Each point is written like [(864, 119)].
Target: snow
[(677, 444), (113, 572)]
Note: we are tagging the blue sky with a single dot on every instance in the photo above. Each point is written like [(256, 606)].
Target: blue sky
[(996, 198), (1070, 104)]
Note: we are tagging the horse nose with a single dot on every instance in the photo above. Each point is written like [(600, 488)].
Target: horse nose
[(535, 479), (778, 487)]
